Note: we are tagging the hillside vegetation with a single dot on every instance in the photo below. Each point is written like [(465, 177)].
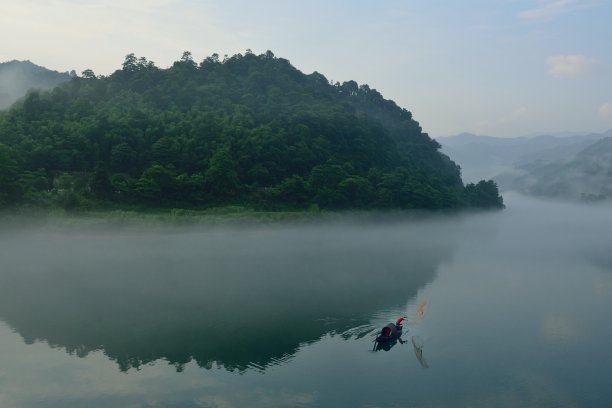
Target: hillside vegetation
[(249, 130)]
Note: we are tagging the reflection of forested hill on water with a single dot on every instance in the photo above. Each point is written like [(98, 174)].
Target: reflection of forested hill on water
[(236, 298)]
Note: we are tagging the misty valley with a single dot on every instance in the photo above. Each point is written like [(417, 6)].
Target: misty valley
[(285, 314)]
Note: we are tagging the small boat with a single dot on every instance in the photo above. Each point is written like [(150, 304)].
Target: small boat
[(389, 332), (389, 336)]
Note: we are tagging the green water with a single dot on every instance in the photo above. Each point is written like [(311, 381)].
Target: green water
[(279, 316)]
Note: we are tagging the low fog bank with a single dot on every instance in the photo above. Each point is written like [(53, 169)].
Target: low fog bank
[(528, 225)]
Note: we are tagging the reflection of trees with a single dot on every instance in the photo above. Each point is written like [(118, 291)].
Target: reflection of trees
[(237, 299)]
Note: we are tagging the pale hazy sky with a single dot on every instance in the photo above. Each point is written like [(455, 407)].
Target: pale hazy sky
[(497, 67)]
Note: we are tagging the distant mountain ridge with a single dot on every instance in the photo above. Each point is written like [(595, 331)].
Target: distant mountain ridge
[(17, 77), (587, 176), (575, 167), (488, 157)]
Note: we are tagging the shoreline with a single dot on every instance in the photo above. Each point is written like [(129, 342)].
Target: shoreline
[(215, 216)]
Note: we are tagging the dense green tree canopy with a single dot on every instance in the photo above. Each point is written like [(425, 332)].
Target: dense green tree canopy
[(9, 187), (247, 129)]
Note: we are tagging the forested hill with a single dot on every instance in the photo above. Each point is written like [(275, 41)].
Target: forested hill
[(17, 77), (248, 129)]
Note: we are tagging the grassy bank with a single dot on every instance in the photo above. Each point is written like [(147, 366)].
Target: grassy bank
[(232, 215), (227, 215)]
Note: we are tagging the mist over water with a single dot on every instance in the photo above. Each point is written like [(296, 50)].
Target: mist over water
[(194, 294), (285, 315)]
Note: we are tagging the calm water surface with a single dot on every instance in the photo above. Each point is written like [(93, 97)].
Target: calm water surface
[(518, 313)]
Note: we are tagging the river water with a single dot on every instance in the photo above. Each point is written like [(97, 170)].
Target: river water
[(517, 312)]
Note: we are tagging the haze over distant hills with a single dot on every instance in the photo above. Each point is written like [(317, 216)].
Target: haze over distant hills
[(576, 166), (586, 176), (487, 156), (17, 77)]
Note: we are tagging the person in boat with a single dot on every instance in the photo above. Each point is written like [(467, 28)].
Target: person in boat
[(390, 335)]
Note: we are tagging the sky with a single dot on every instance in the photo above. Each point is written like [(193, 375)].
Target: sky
[(495, 67)]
